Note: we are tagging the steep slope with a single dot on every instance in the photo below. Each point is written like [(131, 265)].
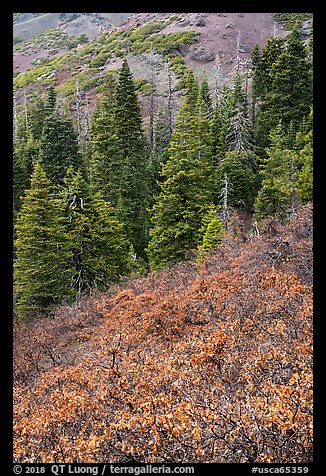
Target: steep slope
[(29, 25), (205, 362), (221, 41), (81, 52)]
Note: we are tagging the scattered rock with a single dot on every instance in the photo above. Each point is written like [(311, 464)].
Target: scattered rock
[(183, 49), (201, 55), (183, 22), (200, 21), (305, 30)]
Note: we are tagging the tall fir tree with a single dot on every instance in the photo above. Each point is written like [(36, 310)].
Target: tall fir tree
[(24, 155), (291, 94), (159, 153), (270, 53), (257, 86), (276, 192), (206, 94), (262, 63), (40, 275), (220, 125), (106, 165), (36, 115), (286, 92), (58, 143), (99, 249), (187, 189), (26, 147), (132, 197)]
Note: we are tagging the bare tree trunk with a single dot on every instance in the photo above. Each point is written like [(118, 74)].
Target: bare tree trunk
[(87, 120), (218, 78), (15, 124), (274, 28), (237, 53), (151, 103), (225, 212), (239, 58), (60, 107), (170, 100), (25, 110), (78, 110), (246, 78)]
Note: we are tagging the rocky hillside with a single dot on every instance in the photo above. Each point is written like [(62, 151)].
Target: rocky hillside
[(29, 25), (216, 33), (81, 49), (56, 51)]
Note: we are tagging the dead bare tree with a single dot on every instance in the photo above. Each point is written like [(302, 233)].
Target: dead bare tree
[(78, 111), (169, 75), (224, 196), (25, 110), (151, 99), (15, 120)]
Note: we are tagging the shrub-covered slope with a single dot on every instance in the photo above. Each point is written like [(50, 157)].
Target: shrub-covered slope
[(203, 362), (205, 41)]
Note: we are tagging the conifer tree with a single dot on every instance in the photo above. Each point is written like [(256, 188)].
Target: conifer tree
[(241, 177), (270, 53), (262, 63), (26, 147), (51, 102), (211, 231), (256, 86), (58, 143), (187, 189), (291, 89), (286, 92), (213, 235), (192, 90), (29, 126), (158, 155), (231, 126), (98, 245), (19, 181), (304, 172), (106, 166), (219, 146), (40, 275), (132, 198), (36, 115), (274, 196), (257, 73), (206, 94), (23, 150)]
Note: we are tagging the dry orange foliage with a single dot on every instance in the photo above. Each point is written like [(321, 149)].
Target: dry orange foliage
[(208, 362)]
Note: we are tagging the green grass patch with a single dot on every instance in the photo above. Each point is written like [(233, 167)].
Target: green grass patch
[(291, 20)]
